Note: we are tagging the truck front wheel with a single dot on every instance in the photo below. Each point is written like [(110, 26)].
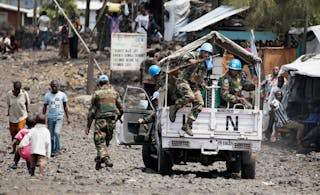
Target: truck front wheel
[(233, 166)]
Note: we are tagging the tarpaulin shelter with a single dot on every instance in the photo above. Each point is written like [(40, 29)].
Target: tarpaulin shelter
[(304, 83), (313, 38)]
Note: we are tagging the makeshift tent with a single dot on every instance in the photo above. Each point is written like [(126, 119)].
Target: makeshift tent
[(308, 65), (304, 83), (313, 38)]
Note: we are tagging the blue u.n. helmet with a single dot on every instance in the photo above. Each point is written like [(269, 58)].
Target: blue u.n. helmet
[(154, 70), (206, 47), (103, 78), (235, 64)]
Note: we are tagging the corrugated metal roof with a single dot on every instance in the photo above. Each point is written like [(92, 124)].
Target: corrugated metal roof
[(13, 8), (212, 17)]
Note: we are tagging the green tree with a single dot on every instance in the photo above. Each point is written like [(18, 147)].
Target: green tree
[(53, 13), (279, 15)]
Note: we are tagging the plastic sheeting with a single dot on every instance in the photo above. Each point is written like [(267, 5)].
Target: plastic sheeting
[(308, 65), (313, 46), (217, 39), (178, 17)]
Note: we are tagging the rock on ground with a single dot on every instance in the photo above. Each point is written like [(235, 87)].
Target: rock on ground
[(278, 170)]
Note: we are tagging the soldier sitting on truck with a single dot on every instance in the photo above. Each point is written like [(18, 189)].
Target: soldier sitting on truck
[(232, 85)]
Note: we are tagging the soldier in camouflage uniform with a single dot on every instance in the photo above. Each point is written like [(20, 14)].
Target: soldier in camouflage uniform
[(106, 109), (151, 117), (189, 83), (232, 85), (159, 77)]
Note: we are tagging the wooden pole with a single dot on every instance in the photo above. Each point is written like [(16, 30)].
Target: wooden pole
[(305, 31), (34, 19), (19, 17), (90, 74), (86, 24), (78, 35)]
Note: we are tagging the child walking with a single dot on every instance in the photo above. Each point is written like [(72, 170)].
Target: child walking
[(23, 152), (39, 136)]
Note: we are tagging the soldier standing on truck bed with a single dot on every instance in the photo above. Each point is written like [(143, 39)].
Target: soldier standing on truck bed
[(232, 85), (189, 83), (106, 109)]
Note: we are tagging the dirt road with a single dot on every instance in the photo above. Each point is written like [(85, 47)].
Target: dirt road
[(278, 170)]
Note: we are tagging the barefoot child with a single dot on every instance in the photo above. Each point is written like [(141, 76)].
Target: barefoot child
[(39, 136), (23, 152)]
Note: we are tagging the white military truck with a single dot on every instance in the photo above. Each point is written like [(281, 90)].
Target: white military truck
[(226, 134)]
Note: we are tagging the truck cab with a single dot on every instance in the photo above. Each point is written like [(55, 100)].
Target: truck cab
[(230, 134)]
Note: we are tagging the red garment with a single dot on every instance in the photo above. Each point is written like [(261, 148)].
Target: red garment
[(15, 46), (25, 151)]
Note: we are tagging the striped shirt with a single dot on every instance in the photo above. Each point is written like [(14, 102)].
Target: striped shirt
[(281, 116)]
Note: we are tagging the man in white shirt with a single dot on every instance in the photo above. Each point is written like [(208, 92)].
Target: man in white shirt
[(39, 136), (44, 24), (4, 43), (142, 22)]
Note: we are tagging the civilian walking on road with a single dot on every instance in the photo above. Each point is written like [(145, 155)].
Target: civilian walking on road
[(39, 136), (23, 152), (18, 107), (56, 103), (44, 24)]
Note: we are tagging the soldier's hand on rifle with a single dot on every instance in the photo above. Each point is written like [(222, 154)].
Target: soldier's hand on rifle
[(242, 99), (193, 61)]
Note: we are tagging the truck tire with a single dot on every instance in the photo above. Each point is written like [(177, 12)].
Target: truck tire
[(233, 166), (248, 165), (149, 156), (164, 162)]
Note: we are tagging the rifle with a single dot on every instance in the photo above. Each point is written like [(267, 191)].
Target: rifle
[(190, 64)]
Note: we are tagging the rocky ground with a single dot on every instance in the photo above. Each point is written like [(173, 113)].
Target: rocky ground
[(279, 170)]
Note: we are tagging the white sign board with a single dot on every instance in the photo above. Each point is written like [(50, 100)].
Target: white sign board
[(128, 50)]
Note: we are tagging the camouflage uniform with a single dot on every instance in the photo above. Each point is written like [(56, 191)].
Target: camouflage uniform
[(172, 88), (106, 108), (232, 86), (190, 81)]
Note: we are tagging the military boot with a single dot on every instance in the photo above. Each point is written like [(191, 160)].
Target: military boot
[(187, 127), (98, 163), (107, 161), (172, 113)]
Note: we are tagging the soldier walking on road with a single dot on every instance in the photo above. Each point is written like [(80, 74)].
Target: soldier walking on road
[(190, 81), (106, 109)]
